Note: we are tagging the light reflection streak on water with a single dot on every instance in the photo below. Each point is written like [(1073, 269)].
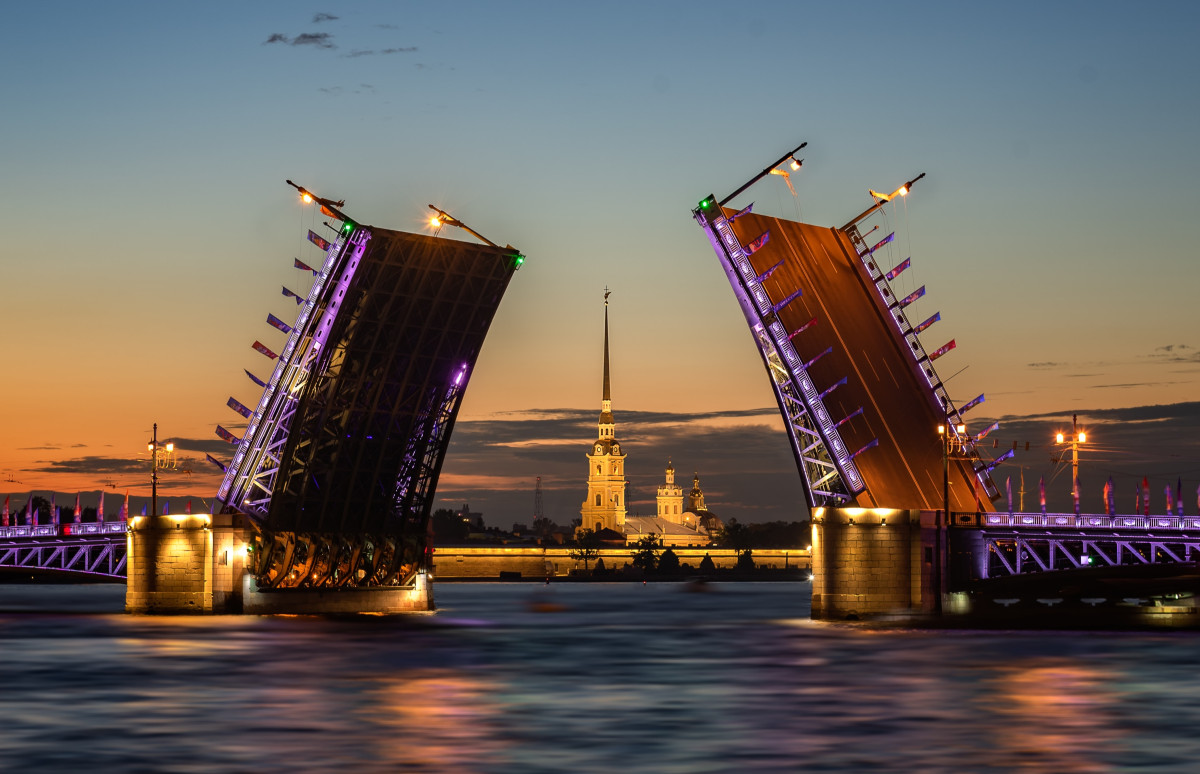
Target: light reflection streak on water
[(627, 678)]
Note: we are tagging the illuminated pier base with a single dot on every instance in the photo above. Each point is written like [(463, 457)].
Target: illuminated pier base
[(870, 562), (196, 564), (185, 563)]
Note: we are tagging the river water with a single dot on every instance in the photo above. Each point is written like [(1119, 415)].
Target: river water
[(578, 678)]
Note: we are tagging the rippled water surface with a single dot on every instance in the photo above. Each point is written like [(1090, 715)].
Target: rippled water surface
[(578, 678)]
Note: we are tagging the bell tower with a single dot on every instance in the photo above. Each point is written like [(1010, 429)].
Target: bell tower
[(670, 497), (604, 507)]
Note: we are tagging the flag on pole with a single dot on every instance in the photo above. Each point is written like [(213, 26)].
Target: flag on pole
[(100, 509), (143, 509), (913, 296), (188, 508), (757, 243), (1137, 503), (927, 323), (942, 350), (166, 507), (214, 461), (275, 322), (743, 211), (316, 239), (123, 514), (30, 518), (302, 265), (1042, 493), (802, 329), (1179, 496), (760, 279), (994, 426), (1170, 505), (226, 435), (1008, 493), (1145, 496), (53, 510), (1112, 497), (292, 294), (1107, 495), (970, 405), (5, 518), (258, 345), (879, 244), (78, 510), (894, 273), (254, 378), (240, 408)]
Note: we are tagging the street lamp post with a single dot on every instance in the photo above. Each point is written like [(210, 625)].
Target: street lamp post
[(1077, 437), (941, 569), (155, 450)]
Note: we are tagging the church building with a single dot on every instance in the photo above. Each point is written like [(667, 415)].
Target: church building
[(605, 508)]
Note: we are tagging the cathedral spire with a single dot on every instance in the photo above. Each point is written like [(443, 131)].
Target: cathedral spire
[(607, 394), (606, 418)]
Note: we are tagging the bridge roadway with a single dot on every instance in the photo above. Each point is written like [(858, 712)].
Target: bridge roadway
[(905, 469)]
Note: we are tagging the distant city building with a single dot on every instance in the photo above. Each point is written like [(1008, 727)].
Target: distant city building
[(604, 509)]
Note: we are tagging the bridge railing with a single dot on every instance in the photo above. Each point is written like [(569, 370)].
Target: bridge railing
[(63, 530), (1082, 521)]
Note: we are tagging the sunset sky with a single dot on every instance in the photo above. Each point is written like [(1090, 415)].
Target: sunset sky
[(149, 228)]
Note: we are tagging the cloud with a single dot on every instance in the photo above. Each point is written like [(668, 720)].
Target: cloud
[(96, 465), (318, 18), (1044, 364), (406, 50), (357, 54), (318, 39)]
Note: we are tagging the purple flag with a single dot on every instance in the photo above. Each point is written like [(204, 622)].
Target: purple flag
[(316, 239), (258, 345), (913, 296), (744, 211), (971, 405), (879, 244), (1075, 494), (995, 426), (215, 461), (1145, 496), (228, 436), (927, 323), (302, 265), (1008, 493), (29, 516), (1112, 497), (291, 294), (1179, 496), (757, 244), (1042, 493), (894, 273), (802, 329), (275, 322), (942, 350), (240, 408), (255, 379)]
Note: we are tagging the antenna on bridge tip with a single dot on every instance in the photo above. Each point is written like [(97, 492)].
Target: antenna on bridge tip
[(443, 218)]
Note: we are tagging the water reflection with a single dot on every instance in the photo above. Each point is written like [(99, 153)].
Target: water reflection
[(624, 678)]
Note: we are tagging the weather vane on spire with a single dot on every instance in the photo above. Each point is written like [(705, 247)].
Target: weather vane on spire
[(606, 294)]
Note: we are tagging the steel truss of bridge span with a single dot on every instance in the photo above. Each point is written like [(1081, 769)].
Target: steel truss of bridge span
[(93, 549), (1023, 543)]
